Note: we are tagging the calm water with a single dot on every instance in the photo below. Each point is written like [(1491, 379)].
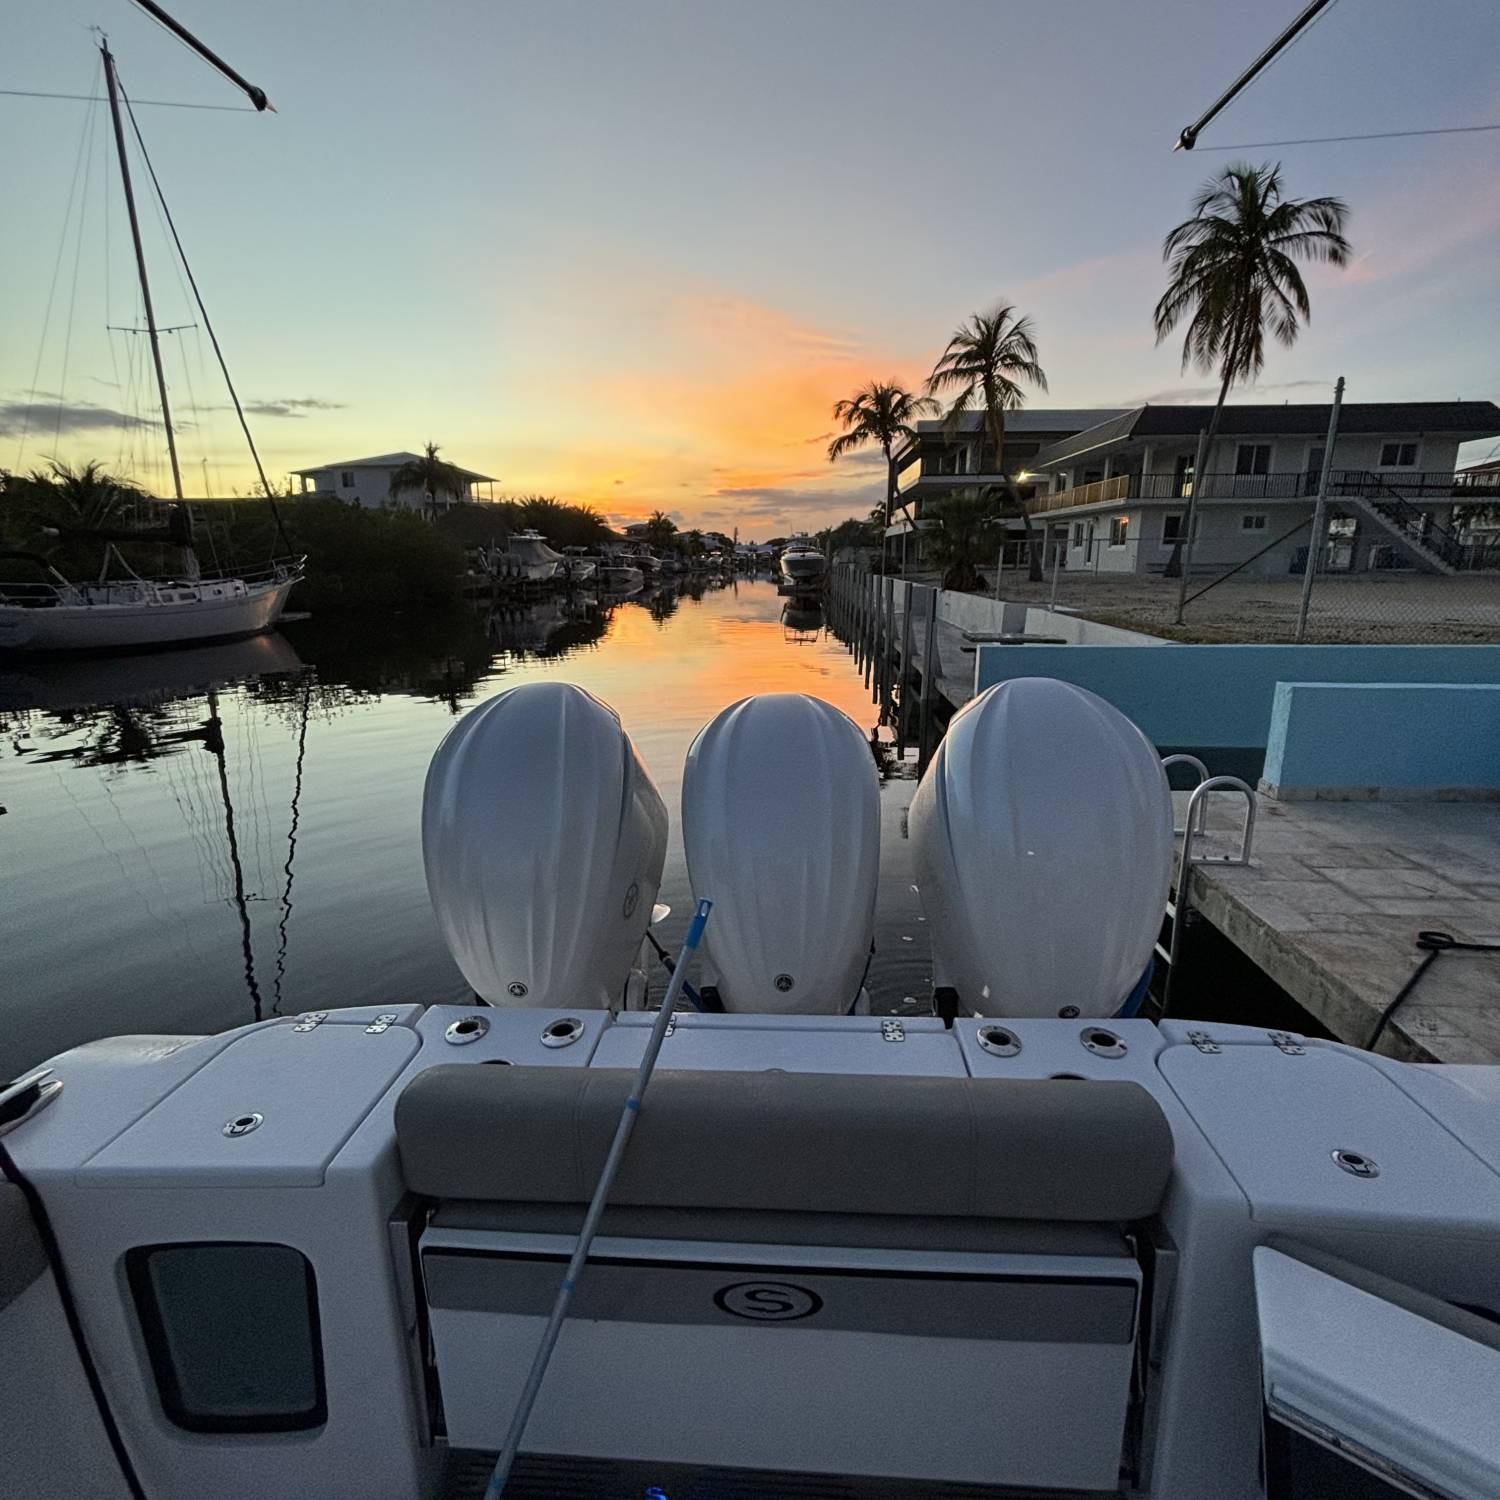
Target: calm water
[(195, 839)]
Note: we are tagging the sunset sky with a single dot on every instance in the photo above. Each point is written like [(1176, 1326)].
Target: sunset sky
[(630, 252)]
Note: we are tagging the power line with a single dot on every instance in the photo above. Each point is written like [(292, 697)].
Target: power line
[(234, 109), (1376, 135)]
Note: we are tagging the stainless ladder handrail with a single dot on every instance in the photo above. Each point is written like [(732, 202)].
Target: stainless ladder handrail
[(1180, 905)]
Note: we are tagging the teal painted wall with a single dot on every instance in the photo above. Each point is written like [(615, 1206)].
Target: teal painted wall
[(1221, 695), (1397, 736)]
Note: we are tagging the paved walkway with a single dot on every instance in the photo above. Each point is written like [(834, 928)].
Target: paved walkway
[(1332, 903)]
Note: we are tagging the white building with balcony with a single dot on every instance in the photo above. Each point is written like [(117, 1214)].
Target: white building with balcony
[(944, 459), (1116, 492), (367, 482)]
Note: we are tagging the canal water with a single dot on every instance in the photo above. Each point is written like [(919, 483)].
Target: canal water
[(193, 840)]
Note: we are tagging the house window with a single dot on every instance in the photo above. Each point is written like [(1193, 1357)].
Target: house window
[(1253, 458), (1253, 521), (1078, 533), (1398, 456), (346, 478), (1119, 527), (1174, 528)]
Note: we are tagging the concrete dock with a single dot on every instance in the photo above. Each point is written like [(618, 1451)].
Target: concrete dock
[(1332, 902)]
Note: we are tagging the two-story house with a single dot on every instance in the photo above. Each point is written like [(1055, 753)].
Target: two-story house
[(944, 459), (1118, 490), (367, 482)]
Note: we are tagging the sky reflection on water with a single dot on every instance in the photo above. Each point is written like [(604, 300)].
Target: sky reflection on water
[(196, 838)]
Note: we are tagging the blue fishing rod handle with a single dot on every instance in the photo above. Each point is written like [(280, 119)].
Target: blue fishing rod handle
[(699, 922)]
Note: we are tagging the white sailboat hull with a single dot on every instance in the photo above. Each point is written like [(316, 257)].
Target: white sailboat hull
[(156, 621)]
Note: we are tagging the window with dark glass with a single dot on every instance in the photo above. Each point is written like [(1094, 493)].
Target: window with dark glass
[(232, 1334), (1253, 458), (1398, 455), (346, 478), (1119, 528)]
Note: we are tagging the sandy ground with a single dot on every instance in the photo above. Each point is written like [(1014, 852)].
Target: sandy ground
[(1462, 608)]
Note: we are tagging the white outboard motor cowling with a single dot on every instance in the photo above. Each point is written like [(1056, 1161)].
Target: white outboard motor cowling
[(543, 836), (1042, 836), (781, 819)]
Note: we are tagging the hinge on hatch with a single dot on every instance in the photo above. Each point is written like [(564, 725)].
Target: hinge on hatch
[(381, 1023), (1284, 1041), (311, 1020), (1203, 1041), (892, 1031)]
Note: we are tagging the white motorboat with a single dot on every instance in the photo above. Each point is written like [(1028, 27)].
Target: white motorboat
[(803, 564), (579, 564), (620, 578), (529, 558), (1091, 1257)]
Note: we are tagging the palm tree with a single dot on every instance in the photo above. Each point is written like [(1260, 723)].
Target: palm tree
[(1233, 269), (985, 362), (883, 413), (432, 475), (88, 497), (964, 534), (660, 528)]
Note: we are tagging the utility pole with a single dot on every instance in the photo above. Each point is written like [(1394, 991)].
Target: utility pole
[(1315, 541), (1190, 522)]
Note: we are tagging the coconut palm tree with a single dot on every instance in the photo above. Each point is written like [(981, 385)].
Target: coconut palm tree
[(432, 475), (985, 364), (965, 533), (1233, 274), (883, 413), (660, 528)]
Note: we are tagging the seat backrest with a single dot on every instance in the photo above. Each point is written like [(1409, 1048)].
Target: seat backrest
[(1060, 1150)]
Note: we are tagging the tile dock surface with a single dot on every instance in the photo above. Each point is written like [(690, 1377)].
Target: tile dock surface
[(1332, 902)]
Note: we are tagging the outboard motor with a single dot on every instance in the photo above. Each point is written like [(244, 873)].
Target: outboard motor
[(543, 836), (1042, 836), (781, 819)]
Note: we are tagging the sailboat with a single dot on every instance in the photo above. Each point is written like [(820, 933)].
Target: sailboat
[(130, 613)]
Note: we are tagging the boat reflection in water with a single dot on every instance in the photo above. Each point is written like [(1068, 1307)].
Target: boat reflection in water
[(802, 622)]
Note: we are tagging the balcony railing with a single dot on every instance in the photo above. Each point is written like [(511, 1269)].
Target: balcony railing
[(1460, 488), (1100, 492)]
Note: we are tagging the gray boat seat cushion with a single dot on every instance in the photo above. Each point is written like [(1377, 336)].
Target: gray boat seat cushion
[(790, 1142)]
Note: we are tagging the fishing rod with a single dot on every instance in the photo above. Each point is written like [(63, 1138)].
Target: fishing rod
[(503, 1464), (1189, 137), (257, 96)]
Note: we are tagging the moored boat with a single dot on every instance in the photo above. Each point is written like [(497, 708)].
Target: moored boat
[(803, 564), (141, 613)]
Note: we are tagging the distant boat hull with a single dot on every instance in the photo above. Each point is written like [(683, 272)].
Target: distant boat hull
[(580, 569), (621, 580), (142, 624)]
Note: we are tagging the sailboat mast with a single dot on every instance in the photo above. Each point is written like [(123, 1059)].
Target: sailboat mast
[(140, 265)]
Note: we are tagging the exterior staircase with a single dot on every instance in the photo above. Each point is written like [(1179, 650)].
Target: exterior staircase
[(1430, 546)]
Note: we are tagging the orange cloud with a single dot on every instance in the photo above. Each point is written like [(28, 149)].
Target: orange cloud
[(699, 395)]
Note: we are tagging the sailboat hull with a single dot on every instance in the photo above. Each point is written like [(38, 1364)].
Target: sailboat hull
[(143, 624)]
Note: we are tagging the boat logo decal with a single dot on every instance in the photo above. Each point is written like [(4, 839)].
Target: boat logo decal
[(784, 982), (632, 897), (767, 1301), (516, 988)]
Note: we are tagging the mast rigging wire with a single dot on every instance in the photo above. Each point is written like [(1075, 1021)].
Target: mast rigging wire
[(1374, 135), (208, 326), (233, 109)]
